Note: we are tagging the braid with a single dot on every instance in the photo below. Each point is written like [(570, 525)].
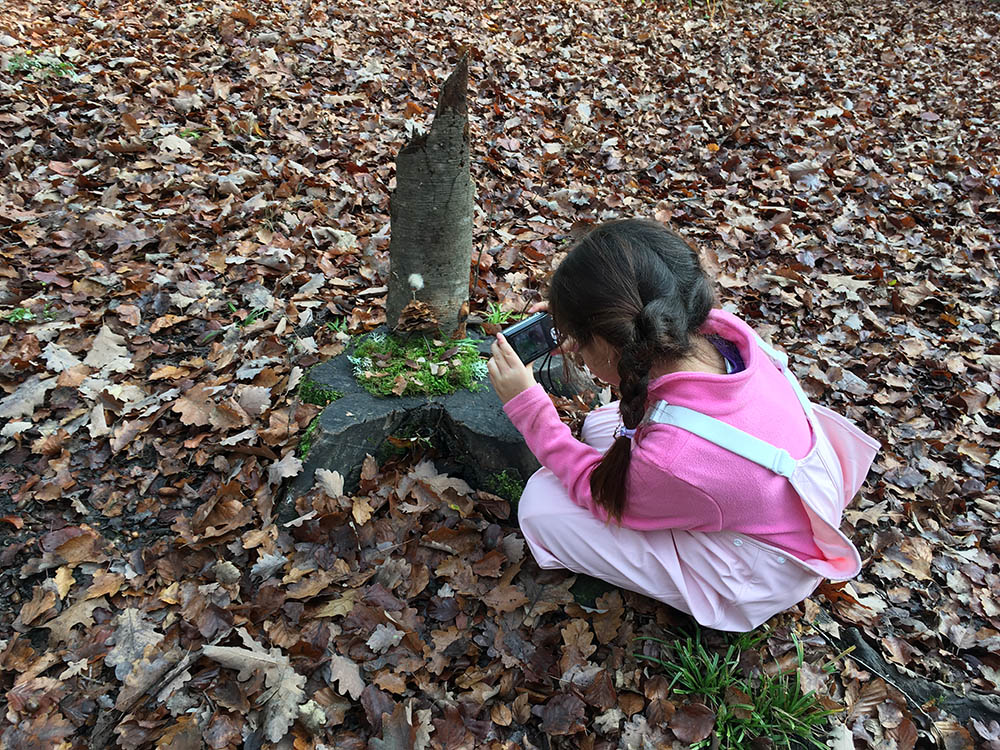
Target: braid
[(640, 288), (633, 368), (634, 365)]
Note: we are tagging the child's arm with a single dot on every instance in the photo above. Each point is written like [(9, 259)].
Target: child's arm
[(658, 499), (554, 446)]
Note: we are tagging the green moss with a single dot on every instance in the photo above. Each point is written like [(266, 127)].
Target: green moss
[(306, 441), (313, 392), (507, 484), (429, 367)]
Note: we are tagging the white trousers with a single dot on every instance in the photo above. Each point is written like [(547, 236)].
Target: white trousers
[(725, 580)]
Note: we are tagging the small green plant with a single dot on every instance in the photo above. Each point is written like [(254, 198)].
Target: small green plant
[(251, 317), (771, 706), (389, 366), (38, 66), (498, 316), (337, 326), (190, 133), (18, 315)]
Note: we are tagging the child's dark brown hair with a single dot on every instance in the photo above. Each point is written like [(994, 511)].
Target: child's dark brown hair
[(641, 288)]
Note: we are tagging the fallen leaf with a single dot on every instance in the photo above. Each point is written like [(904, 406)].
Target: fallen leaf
[(289, 466), (561, 715), (108, 352), (505, 598), (693, 722), (79, 613), (346, 675), (26, 397), (133, 633), (64, 581), (330, 482), (383, 638), (284, 683)]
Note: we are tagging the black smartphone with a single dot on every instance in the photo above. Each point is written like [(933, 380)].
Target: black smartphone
[(532, 337)]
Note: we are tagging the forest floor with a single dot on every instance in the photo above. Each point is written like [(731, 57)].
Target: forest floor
[(194, 210)]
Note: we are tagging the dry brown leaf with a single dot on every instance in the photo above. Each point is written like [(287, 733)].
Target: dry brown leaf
[(79, 613), (133, 633), (505, 598), (345, 676), (330, 482), (692, 722), (561, 715), (26, 397), (284, 683)]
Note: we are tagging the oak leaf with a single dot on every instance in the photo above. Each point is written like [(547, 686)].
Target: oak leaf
[(133, 633), (195, 406), (562, 715), (289, 466), (26, 397), (505, 598), (285, 686), (108, 353), (346, 673), (383, 638), (330, 482)]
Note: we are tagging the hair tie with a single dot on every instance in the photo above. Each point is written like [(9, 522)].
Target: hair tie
[(624, 431)]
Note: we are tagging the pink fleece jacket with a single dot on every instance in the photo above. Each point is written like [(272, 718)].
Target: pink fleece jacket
[(677, 480)]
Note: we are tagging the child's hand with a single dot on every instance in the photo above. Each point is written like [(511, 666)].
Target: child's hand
[(509, 375)]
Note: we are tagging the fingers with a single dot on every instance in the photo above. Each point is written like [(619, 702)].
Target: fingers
[(507, 352), (542, 306)]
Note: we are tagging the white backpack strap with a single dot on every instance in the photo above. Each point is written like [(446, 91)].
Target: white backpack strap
[(781, 360), (724, 435)]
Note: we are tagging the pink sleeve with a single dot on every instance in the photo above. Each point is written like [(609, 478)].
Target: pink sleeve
[(656, 498), (554, 446)]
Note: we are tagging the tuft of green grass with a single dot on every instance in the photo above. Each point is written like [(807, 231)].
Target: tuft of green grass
[(498, 316), (429, 367), (337, 326), (249, 318), (771, 707)]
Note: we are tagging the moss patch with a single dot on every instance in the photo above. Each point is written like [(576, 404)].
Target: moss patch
[(388, 366), (313, 392), (507, 484), (306, 441)]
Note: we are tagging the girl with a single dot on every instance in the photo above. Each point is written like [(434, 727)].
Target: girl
[(713, 485)]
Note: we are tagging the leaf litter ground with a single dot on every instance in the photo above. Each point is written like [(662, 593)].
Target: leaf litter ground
[(190, 194)]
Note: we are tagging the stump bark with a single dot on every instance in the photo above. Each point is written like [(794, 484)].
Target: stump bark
[(431, 220)]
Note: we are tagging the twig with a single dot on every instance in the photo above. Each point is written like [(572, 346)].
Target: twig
[(849, 653), (100, 738), (918, 690)]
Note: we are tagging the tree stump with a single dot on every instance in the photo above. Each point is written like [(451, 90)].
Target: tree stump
[(430, 248)]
